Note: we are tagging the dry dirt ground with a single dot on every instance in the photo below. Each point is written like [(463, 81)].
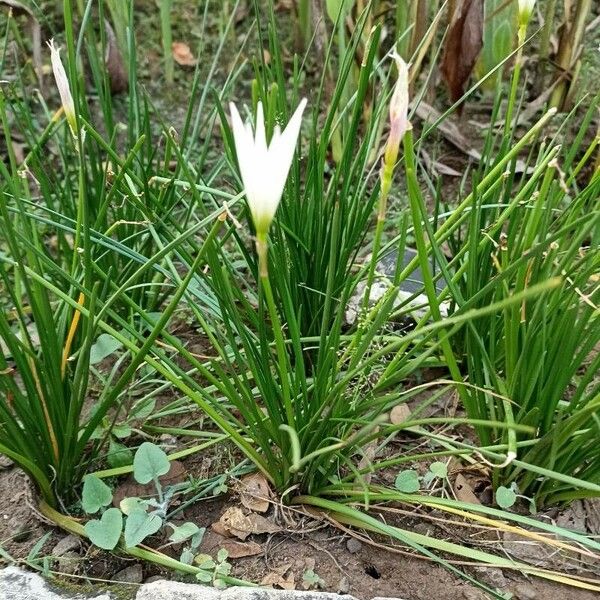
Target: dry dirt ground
[(342, 563)]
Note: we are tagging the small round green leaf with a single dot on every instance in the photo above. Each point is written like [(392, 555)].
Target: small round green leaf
[(149, 463), (505, 497), (407, 482), (96, 494), (439, 469)]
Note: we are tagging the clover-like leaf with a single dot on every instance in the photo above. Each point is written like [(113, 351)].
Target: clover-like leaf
[(106, 531), (140, 525), (149, 463), (183, 532), (505, 497), (96, 494)]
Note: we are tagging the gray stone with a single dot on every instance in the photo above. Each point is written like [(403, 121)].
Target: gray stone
[(343, 586), (168, 590), (172, 590), (5, 462), (66, 544), (131, 574), (491, 576), (16, 584), (68, 563), (524, 591), (241, 593), (353, 545)]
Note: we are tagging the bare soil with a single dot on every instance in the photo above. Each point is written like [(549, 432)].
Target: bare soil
[(344, 564)]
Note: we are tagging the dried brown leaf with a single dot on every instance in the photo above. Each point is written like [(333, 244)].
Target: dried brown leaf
[(464, 41), (213, 542), (281, 578), (183, 55), (234, 522), (463, 490), (255, 493)]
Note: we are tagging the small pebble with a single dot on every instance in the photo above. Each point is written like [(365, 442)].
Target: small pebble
[(525, 592), (343, 587), (66, 544), (353, 545), (132, 574), (5, 462), (68, 562)]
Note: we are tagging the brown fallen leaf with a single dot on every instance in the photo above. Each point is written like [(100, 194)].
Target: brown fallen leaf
[(183, 55), (447, 128), (255, 492), (463, 490), (464, 41), (237, 524), (115, 65), (220, 529), (436, 167), (278, 578), (213, 542)]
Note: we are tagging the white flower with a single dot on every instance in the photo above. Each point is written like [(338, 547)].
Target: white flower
[(264, 168), (525, 10), (62, 83)]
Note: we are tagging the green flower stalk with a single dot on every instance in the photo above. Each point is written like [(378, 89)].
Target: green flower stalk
[(399, 125), (264, 168)]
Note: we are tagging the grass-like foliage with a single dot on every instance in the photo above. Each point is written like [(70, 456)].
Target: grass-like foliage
[(111, 228)]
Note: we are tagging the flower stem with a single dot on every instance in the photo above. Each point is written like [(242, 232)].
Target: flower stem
[(265, 284)]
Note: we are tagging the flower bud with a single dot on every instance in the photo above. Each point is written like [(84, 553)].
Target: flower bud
[(62, 83)]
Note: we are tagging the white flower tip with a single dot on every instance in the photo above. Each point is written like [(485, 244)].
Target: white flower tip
[(264, 168)]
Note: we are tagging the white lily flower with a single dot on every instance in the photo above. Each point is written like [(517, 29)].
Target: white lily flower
[(525, 10), (264, 167), (62, 83)]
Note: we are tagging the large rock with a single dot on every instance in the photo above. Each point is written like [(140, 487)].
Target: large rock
[(16, 584), (169, 590)]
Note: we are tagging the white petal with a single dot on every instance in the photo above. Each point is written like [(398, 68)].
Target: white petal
[(264, 169)]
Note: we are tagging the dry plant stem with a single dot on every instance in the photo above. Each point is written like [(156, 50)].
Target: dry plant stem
[(544, 50), (569, 52)]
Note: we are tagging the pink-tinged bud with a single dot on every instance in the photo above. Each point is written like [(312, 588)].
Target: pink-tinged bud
[(62, 83), (399, 124)]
